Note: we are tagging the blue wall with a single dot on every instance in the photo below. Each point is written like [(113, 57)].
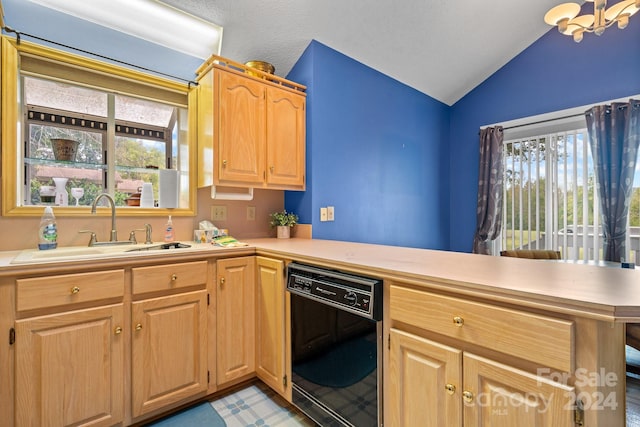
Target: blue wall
[(376, 151), (554, 73)]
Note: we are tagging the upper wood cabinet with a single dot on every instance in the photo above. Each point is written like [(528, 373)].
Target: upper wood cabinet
[(251, 130)]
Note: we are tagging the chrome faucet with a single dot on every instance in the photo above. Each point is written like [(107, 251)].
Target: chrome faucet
[(114, 233)]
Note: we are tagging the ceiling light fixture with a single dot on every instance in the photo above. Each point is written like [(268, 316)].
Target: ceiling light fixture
[(150, 20), (565, 16)]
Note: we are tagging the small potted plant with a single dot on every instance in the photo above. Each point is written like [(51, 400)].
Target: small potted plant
[(283, 221)]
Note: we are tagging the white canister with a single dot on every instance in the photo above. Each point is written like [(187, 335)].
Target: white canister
[(146, 195)]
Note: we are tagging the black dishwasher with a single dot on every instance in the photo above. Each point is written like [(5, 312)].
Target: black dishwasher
[(336, 345)]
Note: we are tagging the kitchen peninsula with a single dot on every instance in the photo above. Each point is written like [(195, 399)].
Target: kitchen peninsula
[(467, 337)]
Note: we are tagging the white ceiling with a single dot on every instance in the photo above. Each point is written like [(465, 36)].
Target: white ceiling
[(443, 48)]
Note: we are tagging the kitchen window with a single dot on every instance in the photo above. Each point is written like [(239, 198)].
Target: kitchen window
[(118, 128)]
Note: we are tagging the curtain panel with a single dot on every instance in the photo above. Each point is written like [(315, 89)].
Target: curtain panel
[(489, 210), (614, 136)]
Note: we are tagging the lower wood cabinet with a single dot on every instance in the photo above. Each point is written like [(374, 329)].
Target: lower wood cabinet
[(235, 318), (169, 350), (424, 382), (431, 384), (458, 362), (271, 331), (70, 368)]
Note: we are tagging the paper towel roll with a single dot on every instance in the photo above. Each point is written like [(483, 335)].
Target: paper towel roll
[(168, 190), (146, 196)]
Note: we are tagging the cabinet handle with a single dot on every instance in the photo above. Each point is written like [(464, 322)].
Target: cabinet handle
[(118, 330), (224, 163), (174, 277), (222, 280), (271, 168), (451, 389), (467, 396), (139, 327), (458, 321), (75, 290)]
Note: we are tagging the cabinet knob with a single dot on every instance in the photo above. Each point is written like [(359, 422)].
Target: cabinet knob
[(271, 169), (458, 321), (467, 396), (224, 163), (222, 280), (75, 290), (451, 389), (139, 327), (118, 330), (174, 277)]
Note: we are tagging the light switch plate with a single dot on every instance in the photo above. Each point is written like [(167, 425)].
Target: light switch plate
[(323, 214), (330, 213), (251, 213), (218, 213)]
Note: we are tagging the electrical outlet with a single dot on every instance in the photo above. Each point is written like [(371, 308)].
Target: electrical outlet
[(330, 213), (251, 213), (218, 213), (323, 214)]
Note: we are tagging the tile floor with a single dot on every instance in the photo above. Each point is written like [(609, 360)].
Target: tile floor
[(258, 406)]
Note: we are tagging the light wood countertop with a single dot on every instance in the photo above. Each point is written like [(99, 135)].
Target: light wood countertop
[(604, 293)]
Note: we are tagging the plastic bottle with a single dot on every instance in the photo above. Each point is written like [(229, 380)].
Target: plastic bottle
[(168, 231), (48, 231)]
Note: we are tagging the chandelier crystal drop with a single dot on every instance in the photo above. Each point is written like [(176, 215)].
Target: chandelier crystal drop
[(565, 16)]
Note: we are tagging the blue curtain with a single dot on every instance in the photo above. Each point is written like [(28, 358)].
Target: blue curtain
[(614, 136), (489, 210)]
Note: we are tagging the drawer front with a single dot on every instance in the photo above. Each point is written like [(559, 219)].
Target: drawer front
[(167, 277), (532, 337), (55, 291)]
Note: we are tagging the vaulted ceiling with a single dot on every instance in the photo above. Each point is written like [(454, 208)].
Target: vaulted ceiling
[(443, 48)]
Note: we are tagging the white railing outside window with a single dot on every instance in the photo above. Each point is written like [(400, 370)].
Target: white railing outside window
[(550, 199)]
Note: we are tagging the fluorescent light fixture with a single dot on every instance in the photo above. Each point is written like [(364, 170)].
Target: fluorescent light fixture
[(150, 20)]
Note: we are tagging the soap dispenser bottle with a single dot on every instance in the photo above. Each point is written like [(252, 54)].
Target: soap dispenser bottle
[(168, 231), (48, 230)]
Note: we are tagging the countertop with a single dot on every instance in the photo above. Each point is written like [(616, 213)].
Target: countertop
[(604, 293)]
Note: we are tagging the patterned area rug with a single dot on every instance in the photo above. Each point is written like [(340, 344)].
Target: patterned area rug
[(258, 406), (202, 414)]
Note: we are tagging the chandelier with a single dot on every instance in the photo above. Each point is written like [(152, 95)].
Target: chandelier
[(565, 16)]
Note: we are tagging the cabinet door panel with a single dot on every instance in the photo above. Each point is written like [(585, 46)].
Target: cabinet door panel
[(505, 396), (285, 138), (169, 350), (419, 371), (70, 369), (235, 315), (239, 130), (270, 313)]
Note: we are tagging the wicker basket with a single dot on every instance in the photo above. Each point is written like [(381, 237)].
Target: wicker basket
[(64, 149)]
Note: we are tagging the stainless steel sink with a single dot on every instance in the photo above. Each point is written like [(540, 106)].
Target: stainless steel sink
[(31, 256), (172, 245)]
